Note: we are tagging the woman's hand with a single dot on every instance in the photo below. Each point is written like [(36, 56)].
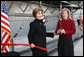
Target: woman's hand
[(32, 45), (63, 31), (54, 33), (58, 32)]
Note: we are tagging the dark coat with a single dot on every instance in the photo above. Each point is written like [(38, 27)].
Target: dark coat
[(37, 35)]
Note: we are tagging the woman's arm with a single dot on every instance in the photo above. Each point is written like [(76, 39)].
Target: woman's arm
[(57, 29), (30, 34), (73, 29), (54, 33), (49, 34)]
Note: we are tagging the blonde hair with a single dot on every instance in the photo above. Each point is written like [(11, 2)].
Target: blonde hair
[(69, 14), (36, 10)]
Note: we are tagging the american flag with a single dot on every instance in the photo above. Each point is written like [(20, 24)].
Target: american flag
[(5, 27), (43, 19), (81, 21)]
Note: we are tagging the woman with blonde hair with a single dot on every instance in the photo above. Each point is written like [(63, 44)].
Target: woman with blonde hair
[(65, 28)]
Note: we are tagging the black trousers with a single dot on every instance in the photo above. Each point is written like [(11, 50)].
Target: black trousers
[(65, 47)]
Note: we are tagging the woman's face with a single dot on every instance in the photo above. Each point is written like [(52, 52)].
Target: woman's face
[(64, 14), (39, 15)]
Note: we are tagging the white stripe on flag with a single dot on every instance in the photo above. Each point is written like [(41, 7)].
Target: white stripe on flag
[(4, 14), (4, 51), (4, 20), (3, 33), (43, 20), (1, 46), (42, 17), (5, 38), (5, 26), (7, 48)]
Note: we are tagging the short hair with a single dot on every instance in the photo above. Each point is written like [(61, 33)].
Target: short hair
[(35, 11), (69, 14)]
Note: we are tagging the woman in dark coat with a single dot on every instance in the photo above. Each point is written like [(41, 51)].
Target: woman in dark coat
[(37, 33)]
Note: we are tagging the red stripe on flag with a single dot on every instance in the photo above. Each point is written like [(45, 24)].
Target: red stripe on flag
[(5, 23), (4, 36), (6, 50), (3, 47), (4, 17), (5, 28)]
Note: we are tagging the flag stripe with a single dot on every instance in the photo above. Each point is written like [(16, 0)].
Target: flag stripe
[(5, 28), (3, 32), (6, 49), (5, 23), (2, 24), (3, 47), (4, 20), (6, 39), (43, 20), (8, 42), (4, 17), (4, 36)]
